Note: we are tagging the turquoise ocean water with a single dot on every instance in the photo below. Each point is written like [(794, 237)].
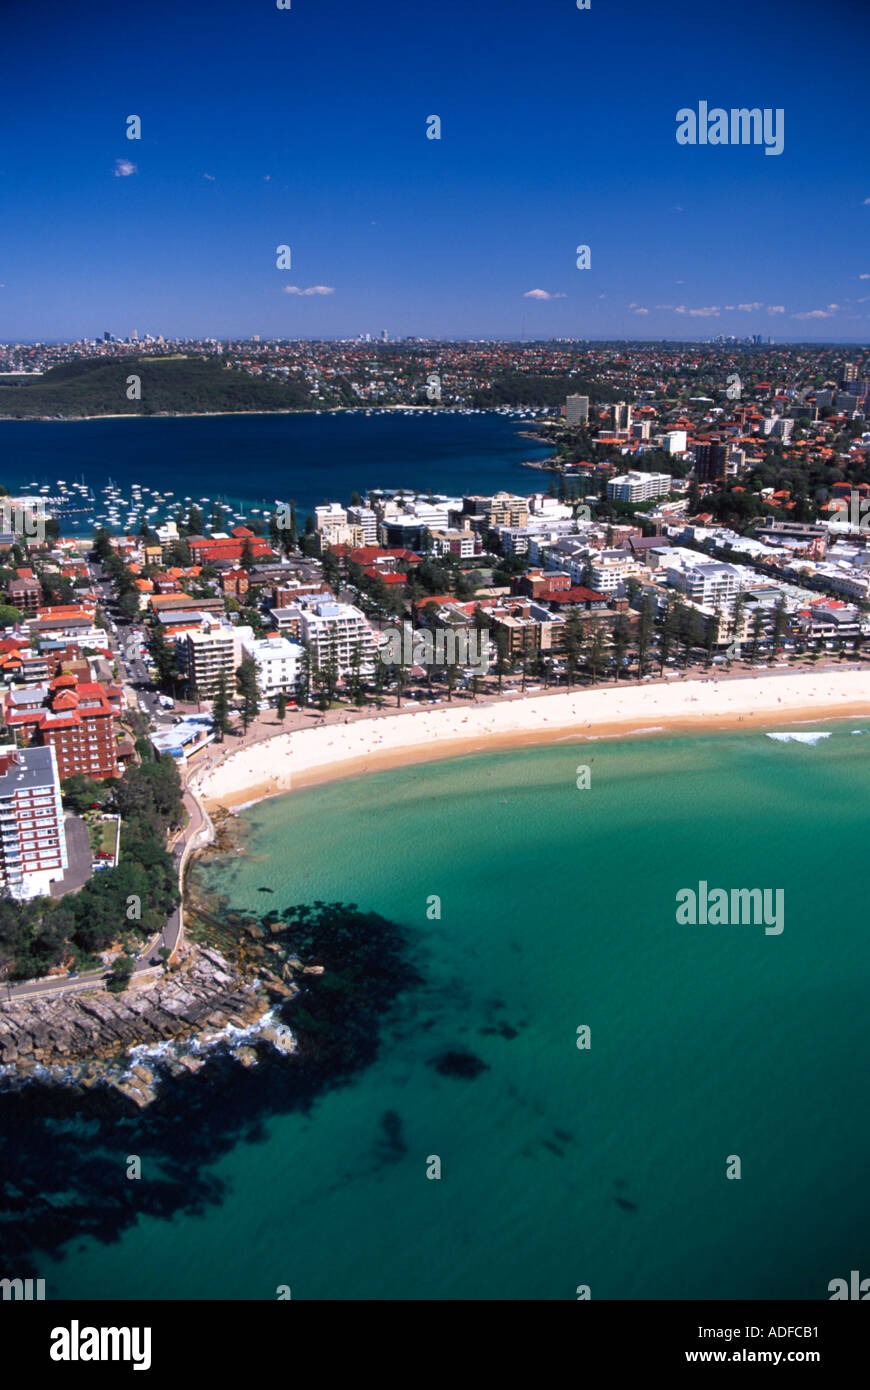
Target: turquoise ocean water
[(560, 1166)]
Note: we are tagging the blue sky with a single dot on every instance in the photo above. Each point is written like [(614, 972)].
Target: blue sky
[(307, 127)]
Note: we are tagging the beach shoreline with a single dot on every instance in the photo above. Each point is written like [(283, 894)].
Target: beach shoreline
[(309, 757)]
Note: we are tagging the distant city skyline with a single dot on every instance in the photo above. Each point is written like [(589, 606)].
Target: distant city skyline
[(309, 129)]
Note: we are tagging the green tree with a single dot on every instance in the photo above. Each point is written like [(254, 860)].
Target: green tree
[(120, 974), (621, 638), (645, 629), (573, 643), (220, 711), (246, 680), (595, 652)]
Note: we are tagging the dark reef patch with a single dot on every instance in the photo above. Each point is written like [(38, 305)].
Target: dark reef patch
[(63, 1149), (460, 1064)]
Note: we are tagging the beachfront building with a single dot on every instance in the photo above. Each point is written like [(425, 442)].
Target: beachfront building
[(278, 664), (638, 487), (32, 840), (210, 653), (74, 718), (707, 582), (185, 738), (335, 631), (576, 410)]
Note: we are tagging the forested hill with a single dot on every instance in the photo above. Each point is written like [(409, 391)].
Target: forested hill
[(169, 386)]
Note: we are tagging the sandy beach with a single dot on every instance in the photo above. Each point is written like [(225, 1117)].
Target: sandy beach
[(308, 756)]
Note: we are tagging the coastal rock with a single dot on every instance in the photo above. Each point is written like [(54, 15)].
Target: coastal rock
[(96, 1028)]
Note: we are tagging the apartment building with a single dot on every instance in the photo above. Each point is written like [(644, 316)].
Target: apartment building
[(24, 592), (278, 665), (366, 519), (75, 718), (576, 410), (711, 462), (334, 631), (709, 583), (32, 840), (209, 654), (638, 487), (464, 544), (506, 510), (608, 570), (526, 627)]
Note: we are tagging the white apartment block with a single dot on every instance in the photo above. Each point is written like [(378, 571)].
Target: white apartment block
[(32, 840), (329, 515), (334, 631), (334, 527), (366, 519), (609, 569), (675, 442), (638, 487), (708, 583), (460, 543), (278, 665)]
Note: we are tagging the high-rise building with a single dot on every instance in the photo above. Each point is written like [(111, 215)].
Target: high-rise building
[(848, 373), (335, 632), (711, 462), (621, 416), (212, 653), (366, 519), (32, 841), (576, 410)]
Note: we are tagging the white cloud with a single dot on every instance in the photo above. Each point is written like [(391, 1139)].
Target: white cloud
[(541, 294), (776, 308), (867, 202), (210, 177), (814, 314), (266, 178), (749, 308), (641, 311), (708, 311), (123, 168), (312, 289), (865, 276)]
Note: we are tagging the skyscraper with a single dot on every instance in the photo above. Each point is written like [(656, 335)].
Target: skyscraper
[(576, 410), (711, 462)]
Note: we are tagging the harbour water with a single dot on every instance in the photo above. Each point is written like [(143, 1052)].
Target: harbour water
[(252, 461)]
